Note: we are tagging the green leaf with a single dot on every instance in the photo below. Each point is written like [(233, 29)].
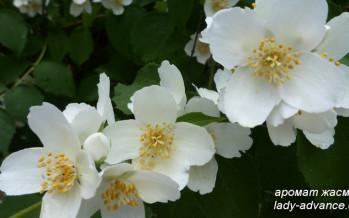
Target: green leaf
[(119, 29), (179, 11), (333, 10), (345, 60), (7, 130), (89, 18), (146, 76), (88, 89), (14, 204), (161, 6), (199, 119), (81, 45), (150, 34), (55, 78), (34, 45), (58, 44), (2, 88), (236, 194), (326, 169), (13, 31), (143, 2), (11, 68), (20, 99)]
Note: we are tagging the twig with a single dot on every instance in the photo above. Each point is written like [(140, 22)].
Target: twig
[(27, 210)]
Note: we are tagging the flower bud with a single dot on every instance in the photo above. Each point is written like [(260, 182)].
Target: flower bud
[(98, 146)]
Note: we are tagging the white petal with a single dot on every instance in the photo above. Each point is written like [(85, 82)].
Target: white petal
[(189, 46), (126, 211), (103, 95), (110, 114), (86, 123), (345, 101), (281, 112), (117, 9), (342, 112), (298, 23), (221, 79), (87, 175), (263, 7), (283, 134), (315, 123), (73, 109), (202, 105), (230, 139), (210, 10), (249, 99), (54, 131), (323, 140), (75, 9), (154, 187), (203, 178), (126, 2), (221, 101), (194, 141), (92, 205), (115, 171), (20, 174), (336, 43), (125, 139), (209, 94), (204, 38), (316, 85), (154, 105), (171, 78), (79, 2), (88, 7), (230, 40), (61, 205), (98, 146)]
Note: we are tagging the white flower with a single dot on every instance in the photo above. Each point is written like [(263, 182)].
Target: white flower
[(171, 79), (123, 190), (98, 146), (77, 7), (201, 51), (154, 141), (317, 127), (229, 140), (60, 168), (19, 3), (213, 6), (86, 119), (272, 50), (31, 8), (115, 5)]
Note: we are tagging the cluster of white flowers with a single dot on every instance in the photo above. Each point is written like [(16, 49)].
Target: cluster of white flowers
[(281, 66), (77, 7)]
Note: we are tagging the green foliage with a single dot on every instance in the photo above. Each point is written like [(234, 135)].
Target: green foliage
[(58, 44), (55, 78), (81, 45), (182, 7), (199, 119), (13, 31), (18, 203), (20, 99), (7, 130), (11, 68)]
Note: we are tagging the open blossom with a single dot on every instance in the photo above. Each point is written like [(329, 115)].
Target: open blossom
[(274, 59), (123, 190), (87, 120), (79, 6), (201, 50), (154, 141), (61, 169), (171, 79), (30, 7), (117, 6), (213, 6), (229, 139)]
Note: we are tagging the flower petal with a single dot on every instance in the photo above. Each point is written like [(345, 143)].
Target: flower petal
[(202, 105), (281, 112), (221, 79), (125, 211), (316, 85), (230, 138), (92, 205), (263, 7), (335, 44), (20, 174), (203, 178), (249, 99), (98, 146), (298, 23), (61, 205), (283, 134), (54, 131), (125, 138), (103, 106), (154, 187), (315, 123), (88, 176), (154, 105), (172, 79), (73, 109), (323, 140), (193, 141), (230, 40), (209, 94)]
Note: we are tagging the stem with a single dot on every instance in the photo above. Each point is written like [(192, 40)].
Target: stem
[(27, 210), (32, 67), (210, 81)]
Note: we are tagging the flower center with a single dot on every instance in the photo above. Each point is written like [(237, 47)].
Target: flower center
[(324, 56), (273, 61), (120, 192), (118, 2), (60, 173), (203, 48), (220, 4), (157, 141)]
